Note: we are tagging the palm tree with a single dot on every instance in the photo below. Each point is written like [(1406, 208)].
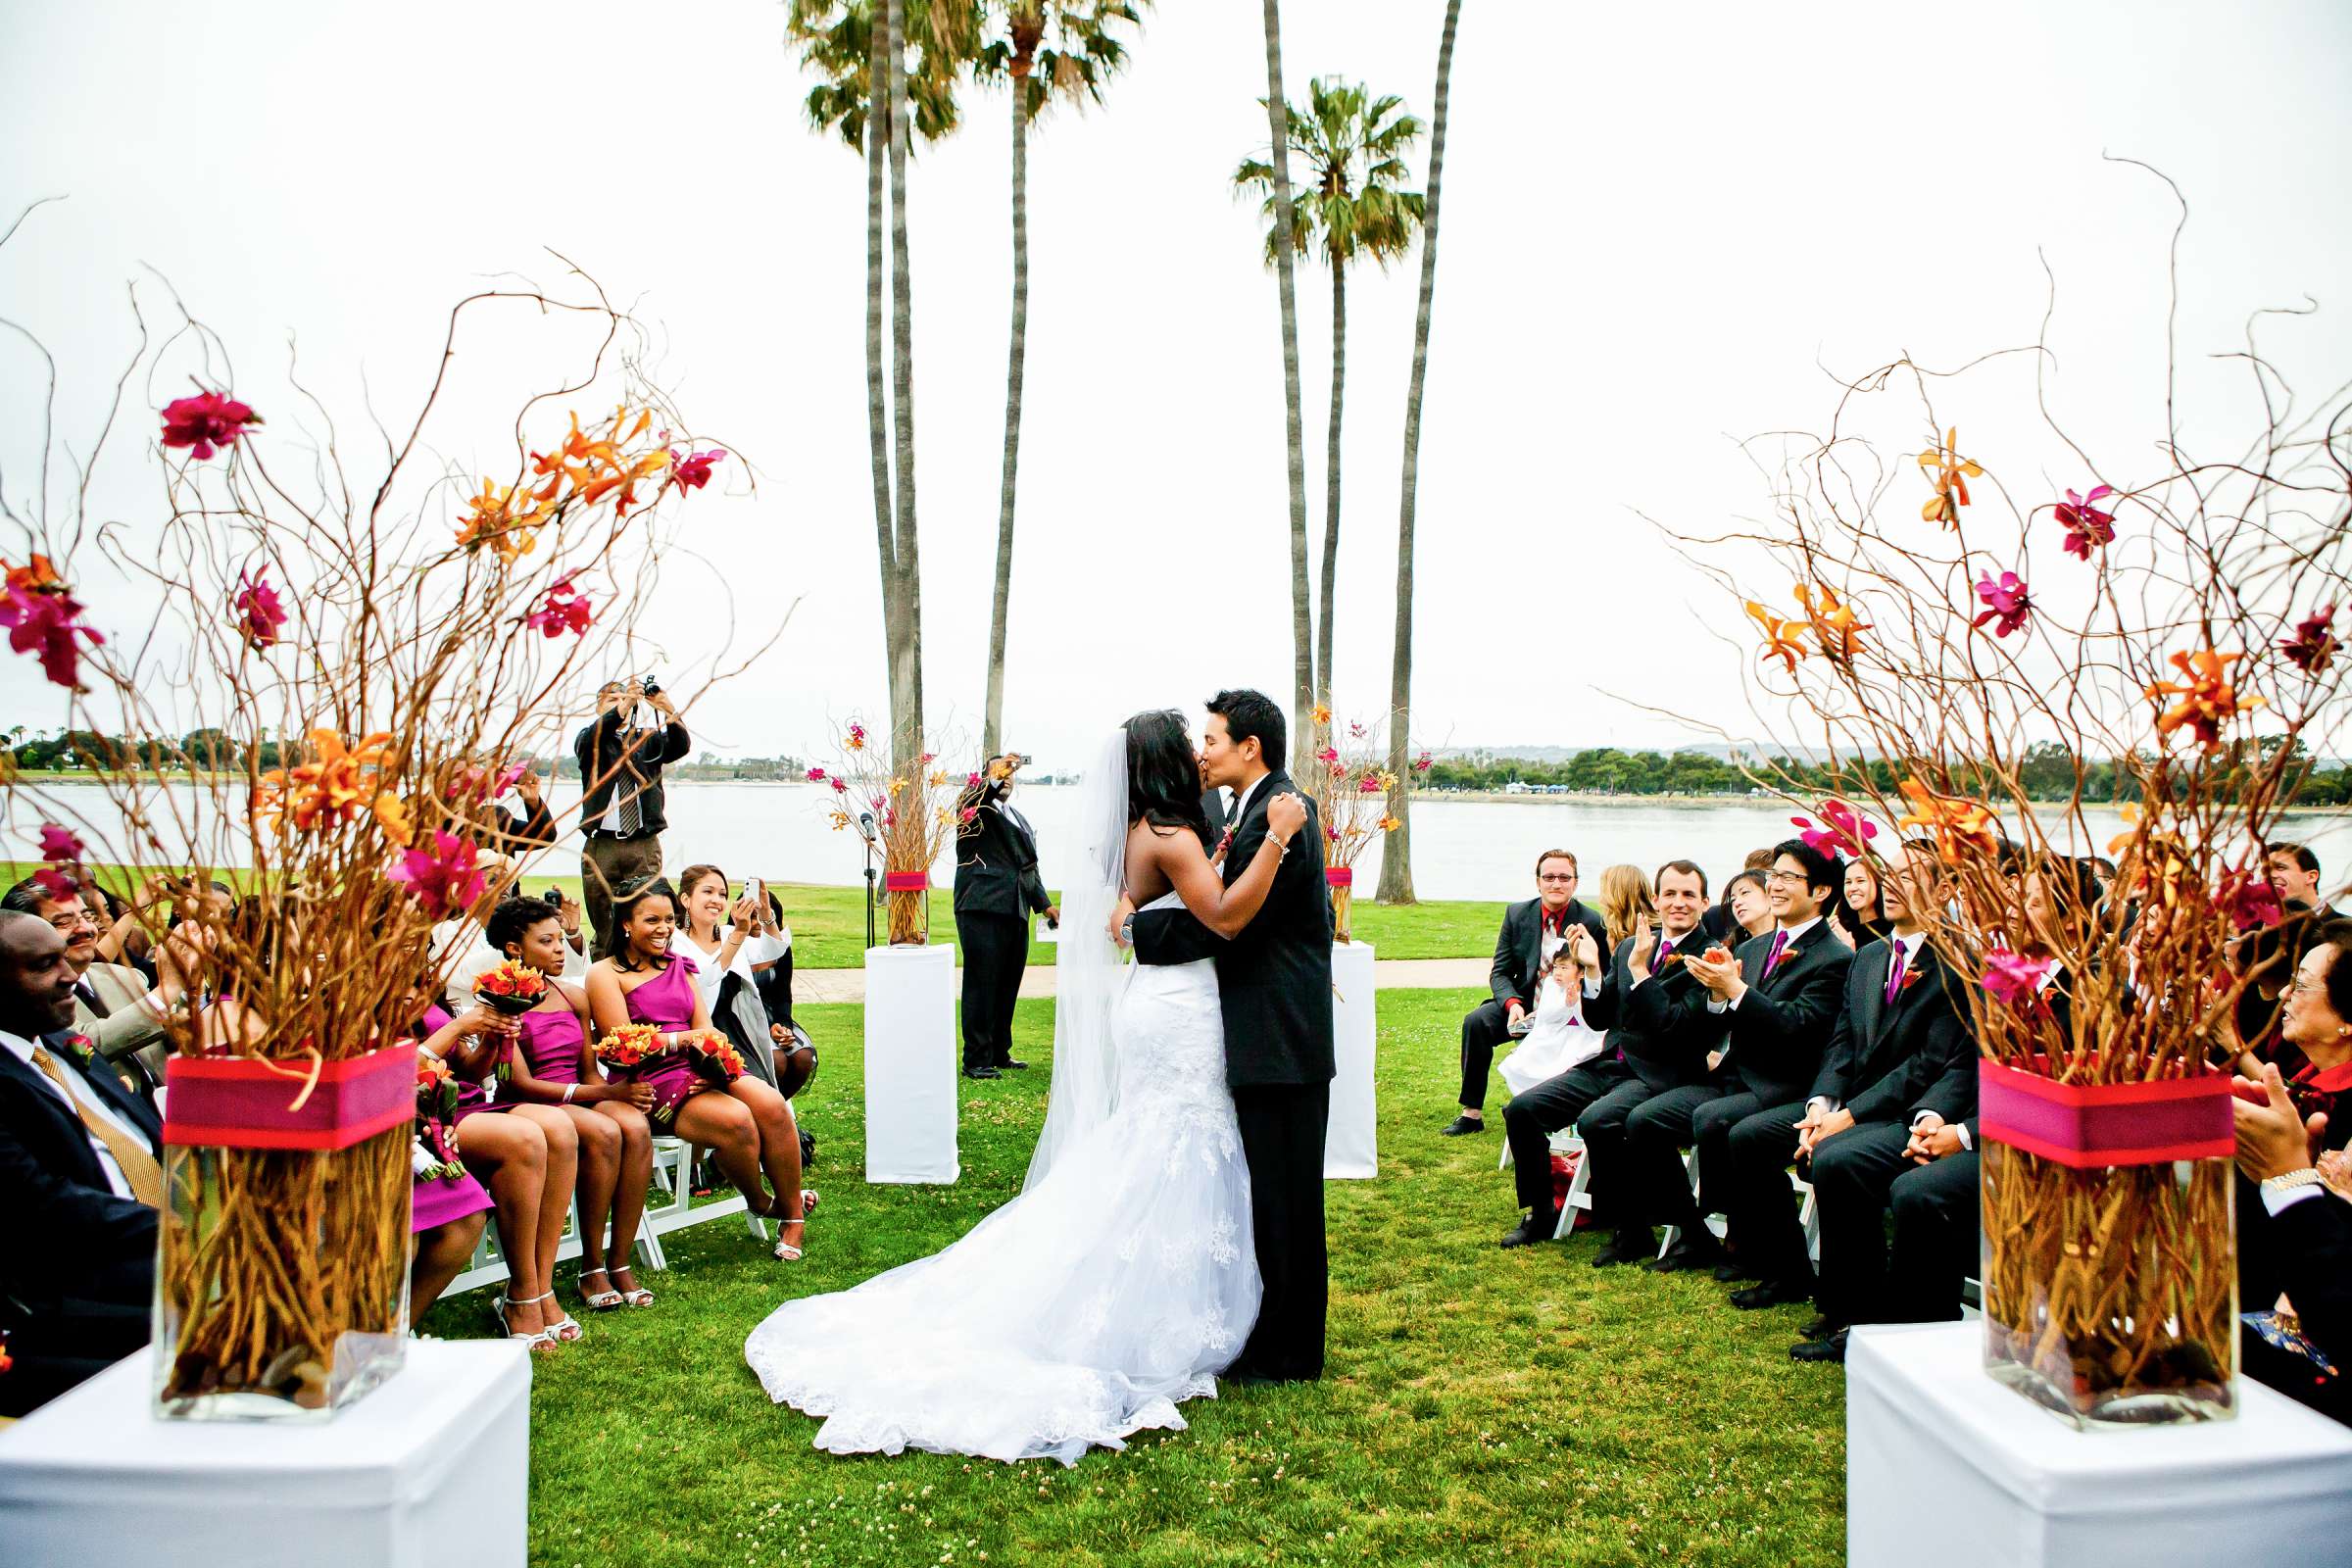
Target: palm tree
[(850, 44), (1303, 632), (1052, 49), (1396, 852), (1352, 144)]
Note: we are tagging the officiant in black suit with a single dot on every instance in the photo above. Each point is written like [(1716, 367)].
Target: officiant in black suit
[(1780, 993), (1899, 1058), (996, 889), (1274, 984), (79, 1160), (1531, 935)]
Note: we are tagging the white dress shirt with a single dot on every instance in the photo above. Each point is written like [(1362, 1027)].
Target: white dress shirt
[(21, 1049)]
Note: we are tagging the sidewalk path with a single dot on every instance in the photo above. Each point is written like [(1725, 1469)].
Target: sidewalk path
[(1410, 974)]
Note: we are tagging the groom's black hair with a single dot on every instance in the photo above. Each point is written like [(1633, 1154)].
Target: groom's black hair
[(1249, 714), (1163, 776)]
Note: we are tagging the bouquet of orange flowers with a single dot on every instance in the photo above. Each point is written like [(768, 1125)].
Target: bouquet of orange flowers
[(632, 1044), (510, 986), (716, 1059)]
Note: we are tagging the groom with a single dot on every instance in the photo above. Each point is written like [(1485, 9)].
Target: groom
[(1274, 979)]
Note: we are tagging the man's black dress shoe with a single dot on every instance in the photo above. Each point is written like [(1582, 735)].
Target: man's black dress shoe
[(1536, 1227), (982, 1072), (1733, 1272), (1830, 1349), (1689, 1257), (1010, 1065), (1772, 1292), (1626, 1247), (1461, 1125)]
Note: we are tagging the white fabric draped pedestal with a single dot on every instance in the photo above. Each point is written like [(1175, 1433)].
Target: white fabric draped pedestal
[(1350, 1148), (432, 1470), (910, 1062), (1946, 1467)]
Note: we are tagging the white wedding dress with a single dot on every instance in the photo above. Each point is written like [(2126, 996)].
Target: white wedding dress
[(1120, 1283)]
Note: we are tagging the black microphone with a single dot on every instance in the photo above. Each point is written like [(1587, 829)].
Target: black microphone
[(865, 820)]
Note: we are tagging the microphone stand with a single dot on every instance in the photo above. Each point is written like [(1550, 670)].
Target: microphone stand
[(866, 822)]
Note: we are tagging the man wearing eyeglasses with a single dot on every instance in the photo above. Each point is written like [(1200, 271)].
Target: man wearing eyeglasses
[(1531, 934)]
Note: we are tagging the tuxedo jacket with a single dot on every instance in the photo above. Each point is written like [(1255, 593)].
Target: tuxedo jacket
[(995, 864), (1665, 1043), (1519, 949), (1888, 1063), (69, 1238), (1779, 1030), (1274, 976)]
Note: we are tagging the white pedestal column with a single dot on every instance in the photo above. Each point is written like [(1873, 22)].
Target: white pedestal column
[(911, 1065), (1349, 1146)]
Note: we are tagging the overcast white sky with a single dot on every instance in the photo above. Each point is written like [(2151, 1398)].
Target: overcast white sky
[(1662, 227)]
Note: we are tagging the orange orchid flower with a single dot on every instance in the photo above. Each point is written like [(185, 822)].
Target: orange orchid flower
[(1952, 473), (2207, 699), (2122, 841), (497, 518), (1780, 637), (1952, 820), (1834, 620), (340, 783), (37, 575)]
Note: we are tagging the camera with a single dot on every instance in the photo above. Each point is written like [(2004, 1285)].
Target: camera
[(650, 686), (554, 898)]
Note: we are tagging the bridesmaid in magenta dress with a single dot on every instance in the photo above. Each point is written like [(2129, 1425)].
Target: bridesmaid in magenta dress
[(553, 1067), (746, 1123), (444, 1212), (527, 1160)]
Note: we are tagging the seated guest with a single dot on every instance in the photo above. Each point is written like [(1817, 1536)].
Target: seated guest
[(1531, 938), (123, 1016), (80, 1163), (553, 1066), (1556, 1064), (2270, 956), (447, 1211), (528, 1160), (2299, 1340), (1900, 1054), (1598, 1097), (724, 955), (1780, 996), (1747, 908), (796, 1065), (1626, 904), (747, 1124), (2316, 1026), (1859, 917)]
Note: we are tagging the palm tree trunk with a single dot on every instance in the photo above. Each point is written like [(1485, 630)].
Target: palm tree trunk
[(1302, 631), (993, 724), (1396, 852), (1331, 478), (878, 399), (907, 667)]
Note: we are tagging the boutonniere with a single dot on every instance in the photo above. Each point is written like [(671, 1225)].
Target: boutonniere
[(1910, 978), (82, 1049), (1780, 960), (1225, 843)]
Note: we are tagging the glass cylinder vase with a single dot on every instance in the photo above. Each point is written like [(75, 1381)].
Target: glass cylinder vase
[(2110, 1279), (907, 908), (282, 1275)]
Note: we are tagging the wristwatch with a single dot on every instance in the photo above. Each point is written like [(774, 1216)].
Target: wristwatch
[(2308, 1176)]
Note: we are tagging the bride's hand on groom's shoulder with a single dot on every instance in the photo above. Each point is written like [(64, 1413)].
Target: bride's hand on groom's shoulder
[(1285, 816)]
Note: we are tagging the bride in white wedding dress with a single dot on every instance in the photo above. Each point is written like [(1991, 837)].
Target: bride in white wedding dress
[(1121, 1280)]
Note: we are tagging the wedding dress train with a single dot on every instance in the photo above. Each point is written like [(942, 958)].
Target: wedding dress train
[(1119, 1284)]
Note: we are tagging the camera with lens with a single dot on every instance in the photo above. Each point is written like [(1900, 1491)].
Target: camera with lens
[(554, 898), (650, 686)]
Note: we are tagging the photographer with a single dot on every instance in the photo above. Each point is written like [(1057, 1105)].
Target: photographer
[(996, 889), (620, 816)]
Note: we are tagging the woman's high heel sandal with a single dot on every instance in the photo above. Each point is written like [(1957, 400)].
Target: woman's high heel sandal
[(632, 1295), (604, 1300), (786, 1251), (543, 1339), (566, 1327)]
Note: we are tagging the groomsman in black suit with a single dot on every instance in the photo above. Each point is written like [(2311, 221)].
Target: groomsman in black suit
[(1531, 934), (1779, 993), (1274, 990), (996, 889), (1901, 1058), (1599, 1096), (79, 1160)]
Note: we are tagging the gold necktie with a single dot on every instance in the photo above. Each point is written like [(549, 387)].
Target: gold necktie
[(138, 1162)]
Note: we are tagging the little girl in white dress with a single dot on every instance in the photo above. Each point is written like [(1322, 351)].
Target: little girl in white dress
[(1559, 1038)]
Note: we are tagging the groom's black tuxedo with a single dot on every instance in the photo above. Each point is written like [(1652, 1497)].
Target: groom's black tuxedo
[(1274, 984)]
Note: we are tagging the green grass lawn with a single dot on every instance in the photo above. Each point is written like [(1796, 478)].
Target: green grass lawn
[(828, 923), (1480, 1406)]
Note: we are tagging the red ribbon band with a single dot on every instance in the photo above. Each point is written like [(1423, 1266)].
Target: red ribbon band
[(1339, 876), (905, 881), (240, 1103), (2093, 1126)]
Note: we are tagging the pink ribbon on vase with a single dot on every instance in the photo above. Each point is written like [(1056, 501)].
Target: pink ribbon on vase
[(2093, 1126)]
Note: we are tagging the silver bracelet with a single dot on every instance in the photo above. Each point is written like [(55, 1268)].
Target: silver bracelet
[(567, 1089)]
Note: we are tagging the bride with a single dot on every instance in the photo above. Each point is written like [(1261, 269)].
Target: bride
[(1121, 1280)]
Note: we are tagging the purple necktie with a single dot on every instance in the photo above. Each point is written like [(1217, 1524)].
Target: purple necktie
[(1895, 974), (1665, 946), (1780, 941)]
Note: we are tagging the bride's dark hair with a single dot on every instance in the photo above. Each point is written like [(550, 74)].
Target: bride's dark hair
[(1163, 778)]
